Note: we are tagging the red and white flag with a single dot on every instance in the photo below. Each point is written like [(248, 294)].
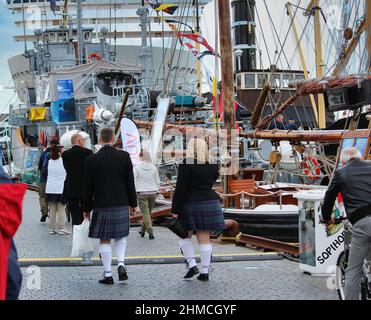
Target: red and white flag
[(197, 38)]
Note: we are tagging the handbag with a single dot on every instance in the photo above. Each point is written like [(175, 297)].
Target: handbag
[(177, 226)]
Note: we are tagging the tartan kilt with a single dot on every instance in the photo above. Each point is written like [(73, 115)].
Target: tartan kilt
[(110, 223), (203, 216)]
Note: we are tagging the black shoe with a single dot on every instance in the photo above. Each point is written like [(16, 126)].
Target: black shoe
[(191, 272), (203, 277), (43, 217), (142, 234), (123, 275), (107, 280), (151, 237)]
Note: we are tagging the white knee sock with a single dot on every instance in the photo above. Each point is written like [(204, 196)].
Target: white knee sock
[(120, 249), (105, 251), (205, 253), (186, 246)]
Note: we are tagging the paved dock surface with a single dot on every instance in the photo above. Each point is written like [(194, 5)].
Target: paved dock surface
[(253, 278)]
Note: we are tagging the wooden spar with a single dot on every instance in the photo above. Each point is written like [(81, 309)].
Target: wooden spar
[(315, 86), (225, 36), (278, 135), (368, 27), (122, 110), (319, 64), (350, 49), (302, 59), (308, 11), (226, 61), (260, 105), (282, 135)]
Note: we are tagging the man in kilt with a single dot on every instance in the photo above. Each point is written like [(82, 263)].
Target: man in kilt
[(109, 191)]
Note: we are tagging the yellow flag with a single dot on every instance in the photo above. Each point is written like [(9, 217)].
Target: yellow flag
[(37, 114)]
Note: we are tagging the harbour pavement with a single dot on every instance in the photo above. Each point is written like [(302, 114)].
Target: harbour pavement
[(155, 269)]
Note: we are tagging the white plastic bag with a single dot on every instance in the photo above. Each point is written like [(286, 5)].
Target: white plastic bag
[(82, 245)]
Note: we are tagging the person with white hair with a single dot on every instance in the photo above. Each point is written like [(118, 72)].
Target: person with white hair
[(73, 161), (353, 181)]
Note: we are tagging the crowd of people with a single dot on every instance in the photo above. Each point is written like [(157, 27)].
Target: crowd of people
[(106, 188), (279, 123)]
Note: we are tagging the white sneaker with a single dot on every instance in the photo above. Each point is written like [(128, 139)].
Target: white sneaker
[(53, 232), (64, 232)]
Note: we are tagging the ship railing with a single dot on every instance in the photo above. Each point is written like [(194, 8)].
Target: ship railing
[(243, 194)]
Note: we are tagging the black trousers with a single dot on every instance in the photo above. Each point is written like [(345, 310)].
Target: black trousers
[(75, 209)]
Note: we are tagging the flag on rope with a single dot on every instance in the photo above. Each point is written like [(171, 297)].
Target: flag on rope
[(170, 22), (199, 39), (167, 8), (194, 50), (53, 5)]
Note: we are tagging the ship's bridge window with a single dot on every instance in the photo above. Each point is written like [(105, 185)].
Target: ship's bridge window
[(299, 77), (239, 81), (249, 81), (286, 79), (62, 37), (277, 80), (262, 80)]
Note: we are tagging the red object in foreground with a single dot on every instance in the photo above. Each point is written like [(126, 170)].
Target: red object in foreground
[(11, 198)]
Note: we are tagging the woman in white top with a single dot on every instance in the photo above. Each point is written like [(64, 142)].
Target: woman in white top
[(147, 184), (54, 190)]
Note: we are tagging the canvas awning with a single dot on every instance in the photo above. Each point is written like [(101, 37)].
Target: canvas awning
[(82, 76)]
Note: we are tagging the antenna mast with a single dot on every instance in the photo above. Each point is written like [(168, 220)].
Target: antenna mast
[(80, 35)]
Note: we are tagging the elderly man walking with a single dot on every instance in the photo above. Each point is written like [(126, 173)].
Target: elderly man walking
[(353, 181), (73, 162), (109, 191)]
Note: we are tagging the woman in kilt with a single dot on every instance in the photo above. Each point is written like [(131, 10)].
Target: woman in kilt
[(198, 206), (109, 191)]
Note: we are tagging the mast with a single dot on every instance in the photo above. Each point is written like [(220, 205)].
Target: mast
[(351, 47), (302, 59), (227, 73), (80, 35), (226, 62), (198, 62), (145, 53), (368, 28), (24, 27), (319, 62)]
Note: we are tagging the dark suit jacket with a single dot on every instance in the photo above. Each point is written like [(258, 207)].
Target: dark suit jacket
[(194, 183), (108, 180), (276, 125), (73, 162), (354, 183), (14, 275)]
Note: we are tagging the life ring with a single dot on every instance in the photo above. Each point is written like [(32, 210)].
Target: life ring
[(94, 55), (311, 167)]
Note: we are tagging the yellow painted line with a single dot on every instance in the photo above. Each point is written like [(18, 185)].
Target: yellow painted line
[(147, 257)]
